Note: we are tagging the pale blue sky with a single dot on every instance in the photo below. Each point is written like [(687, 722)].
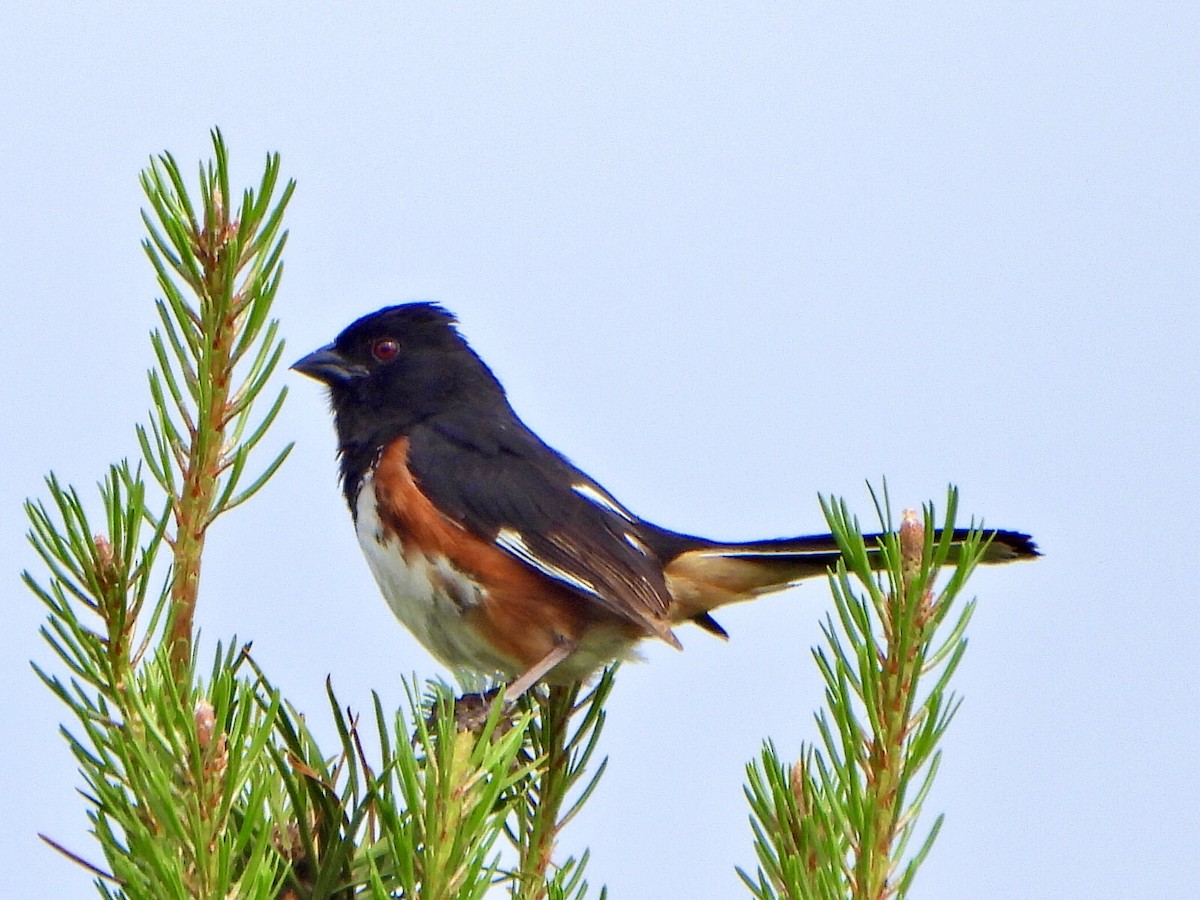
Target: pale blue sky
[(724, 258)]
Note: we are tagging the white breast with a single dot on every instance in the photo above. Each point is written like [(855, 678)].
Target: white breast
[(428, 594)]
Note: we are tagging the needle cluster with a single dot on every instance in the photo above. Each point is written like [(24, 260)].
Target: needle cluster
[(843, 821)]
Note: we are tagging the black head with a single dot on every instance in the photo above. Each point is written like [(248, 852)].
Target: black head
[(395, 368)]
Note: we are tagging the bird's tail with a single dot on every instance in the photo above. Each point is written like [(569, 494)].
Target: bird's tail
[(702, 578)]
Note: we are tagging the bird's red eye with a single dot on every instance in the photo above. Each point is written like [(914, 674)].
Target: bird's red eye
[(385, 349)]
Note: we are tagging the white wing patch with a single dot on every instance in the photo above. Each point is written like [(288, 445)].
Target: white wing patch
[(599, 498), (635, 542), (514, 543)]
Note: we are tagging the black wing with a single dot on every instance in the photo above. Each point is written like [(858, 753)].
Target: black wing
[(497, 479)]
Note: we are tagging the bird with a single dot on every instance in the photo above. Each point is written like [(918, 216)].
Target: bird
[(498, 554)]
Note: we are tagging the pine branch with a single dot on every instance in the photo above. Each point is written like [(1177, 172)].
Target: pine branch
[(563, 738), (202, 402), (174, 766), (841, 822)]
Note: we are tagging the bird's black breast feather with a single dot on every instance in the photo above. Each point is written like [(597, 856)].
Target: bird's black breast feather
[(492, 474)]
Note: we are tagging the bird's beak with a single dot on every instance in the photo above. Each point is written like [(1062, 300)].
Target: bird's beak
[(328, 366)]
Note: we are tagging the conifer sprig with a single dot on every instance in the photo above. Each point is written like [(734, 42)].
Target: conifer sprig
[(215, 351), (841, 821)]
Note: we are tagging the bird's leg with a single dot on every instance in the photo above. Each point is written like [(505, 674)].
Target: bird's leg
[(471, 710), (563, 648)]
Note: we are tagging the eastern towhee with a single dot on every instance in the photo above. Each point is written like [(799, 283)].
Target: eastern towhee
[(493, 550)]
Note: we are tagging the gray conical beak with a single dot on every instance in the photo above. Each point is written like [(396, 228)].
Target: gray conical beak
[(328, 366)]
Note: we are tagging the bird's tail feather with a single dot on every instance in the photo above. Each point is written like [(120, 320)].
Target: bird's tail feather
[(703, 578)]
